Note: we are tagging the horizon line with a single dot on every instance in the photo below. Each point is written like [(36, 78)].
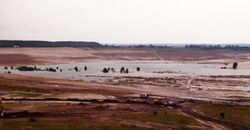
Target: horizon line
[(143, 43)]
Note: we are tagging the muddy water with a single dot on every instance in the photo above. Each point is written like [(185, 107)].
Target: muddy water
[(147, 68)]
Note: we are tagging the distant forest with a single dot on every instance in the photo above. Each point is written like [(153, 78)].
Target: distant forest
[(19, 43), (219, 47), (25, 43)]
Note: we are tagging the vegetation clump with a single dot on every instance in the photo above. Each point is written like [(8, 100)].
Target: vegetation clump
[(26, 68), (113, 70), (76, 69), (126, 71), (105, 70), (51, 69), (222, 114), (31, 119), (155, 112), (235, 65), (122, 70)]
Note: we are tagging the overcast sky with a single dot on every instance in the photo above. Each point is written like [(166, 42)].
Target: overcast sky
[(127, 21)]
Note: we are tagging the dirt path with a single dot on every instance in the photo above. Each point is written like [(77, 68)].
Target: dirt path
[(212, 122), (214, 125), (159, 57)]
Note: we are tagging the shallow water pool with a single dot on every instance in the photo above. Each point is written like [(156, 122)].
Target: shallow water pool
[(147, 68)]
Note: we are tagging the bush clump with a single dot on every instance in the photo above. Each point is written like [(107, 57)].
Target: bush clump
[(26, 68), (51, 69), (235, 65), (105, 70), (222, 114), (31, 119)]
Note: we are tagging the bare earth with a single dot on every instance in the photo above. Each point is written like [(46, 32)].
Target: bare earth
[(17, 56)]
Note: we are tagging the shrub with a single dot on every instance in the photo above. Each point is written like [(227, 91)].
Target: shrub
[(51, 69), (222, 114), (155, 113), (105, 70), (25, 68), (31, 119), (122, 70), (126, 71), (235, 65), (76, 69)]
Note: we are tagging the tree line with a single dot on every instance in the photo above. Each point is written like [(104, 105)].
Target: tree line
[(23, 43), (212, 47)]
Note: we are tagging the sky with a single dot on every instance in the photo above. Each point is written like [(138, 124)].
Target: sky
[(127, 21)]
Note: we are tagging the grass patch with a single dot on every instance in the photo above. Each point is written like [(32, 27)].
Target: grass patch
[(227, 113), (34, 105), (64, 124), (167, 117)]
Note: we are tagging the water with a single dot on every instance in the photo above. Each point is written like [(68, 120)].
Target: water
[(147, 68)]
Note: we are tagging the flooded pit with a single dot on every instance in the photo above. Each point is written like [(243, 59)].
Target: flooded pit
[(147, 69)]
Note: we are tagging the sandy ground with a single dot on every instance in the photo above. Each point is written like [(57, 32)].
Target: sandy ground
[(197, 88), (49, 99), (28, 56), (59, 86)]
